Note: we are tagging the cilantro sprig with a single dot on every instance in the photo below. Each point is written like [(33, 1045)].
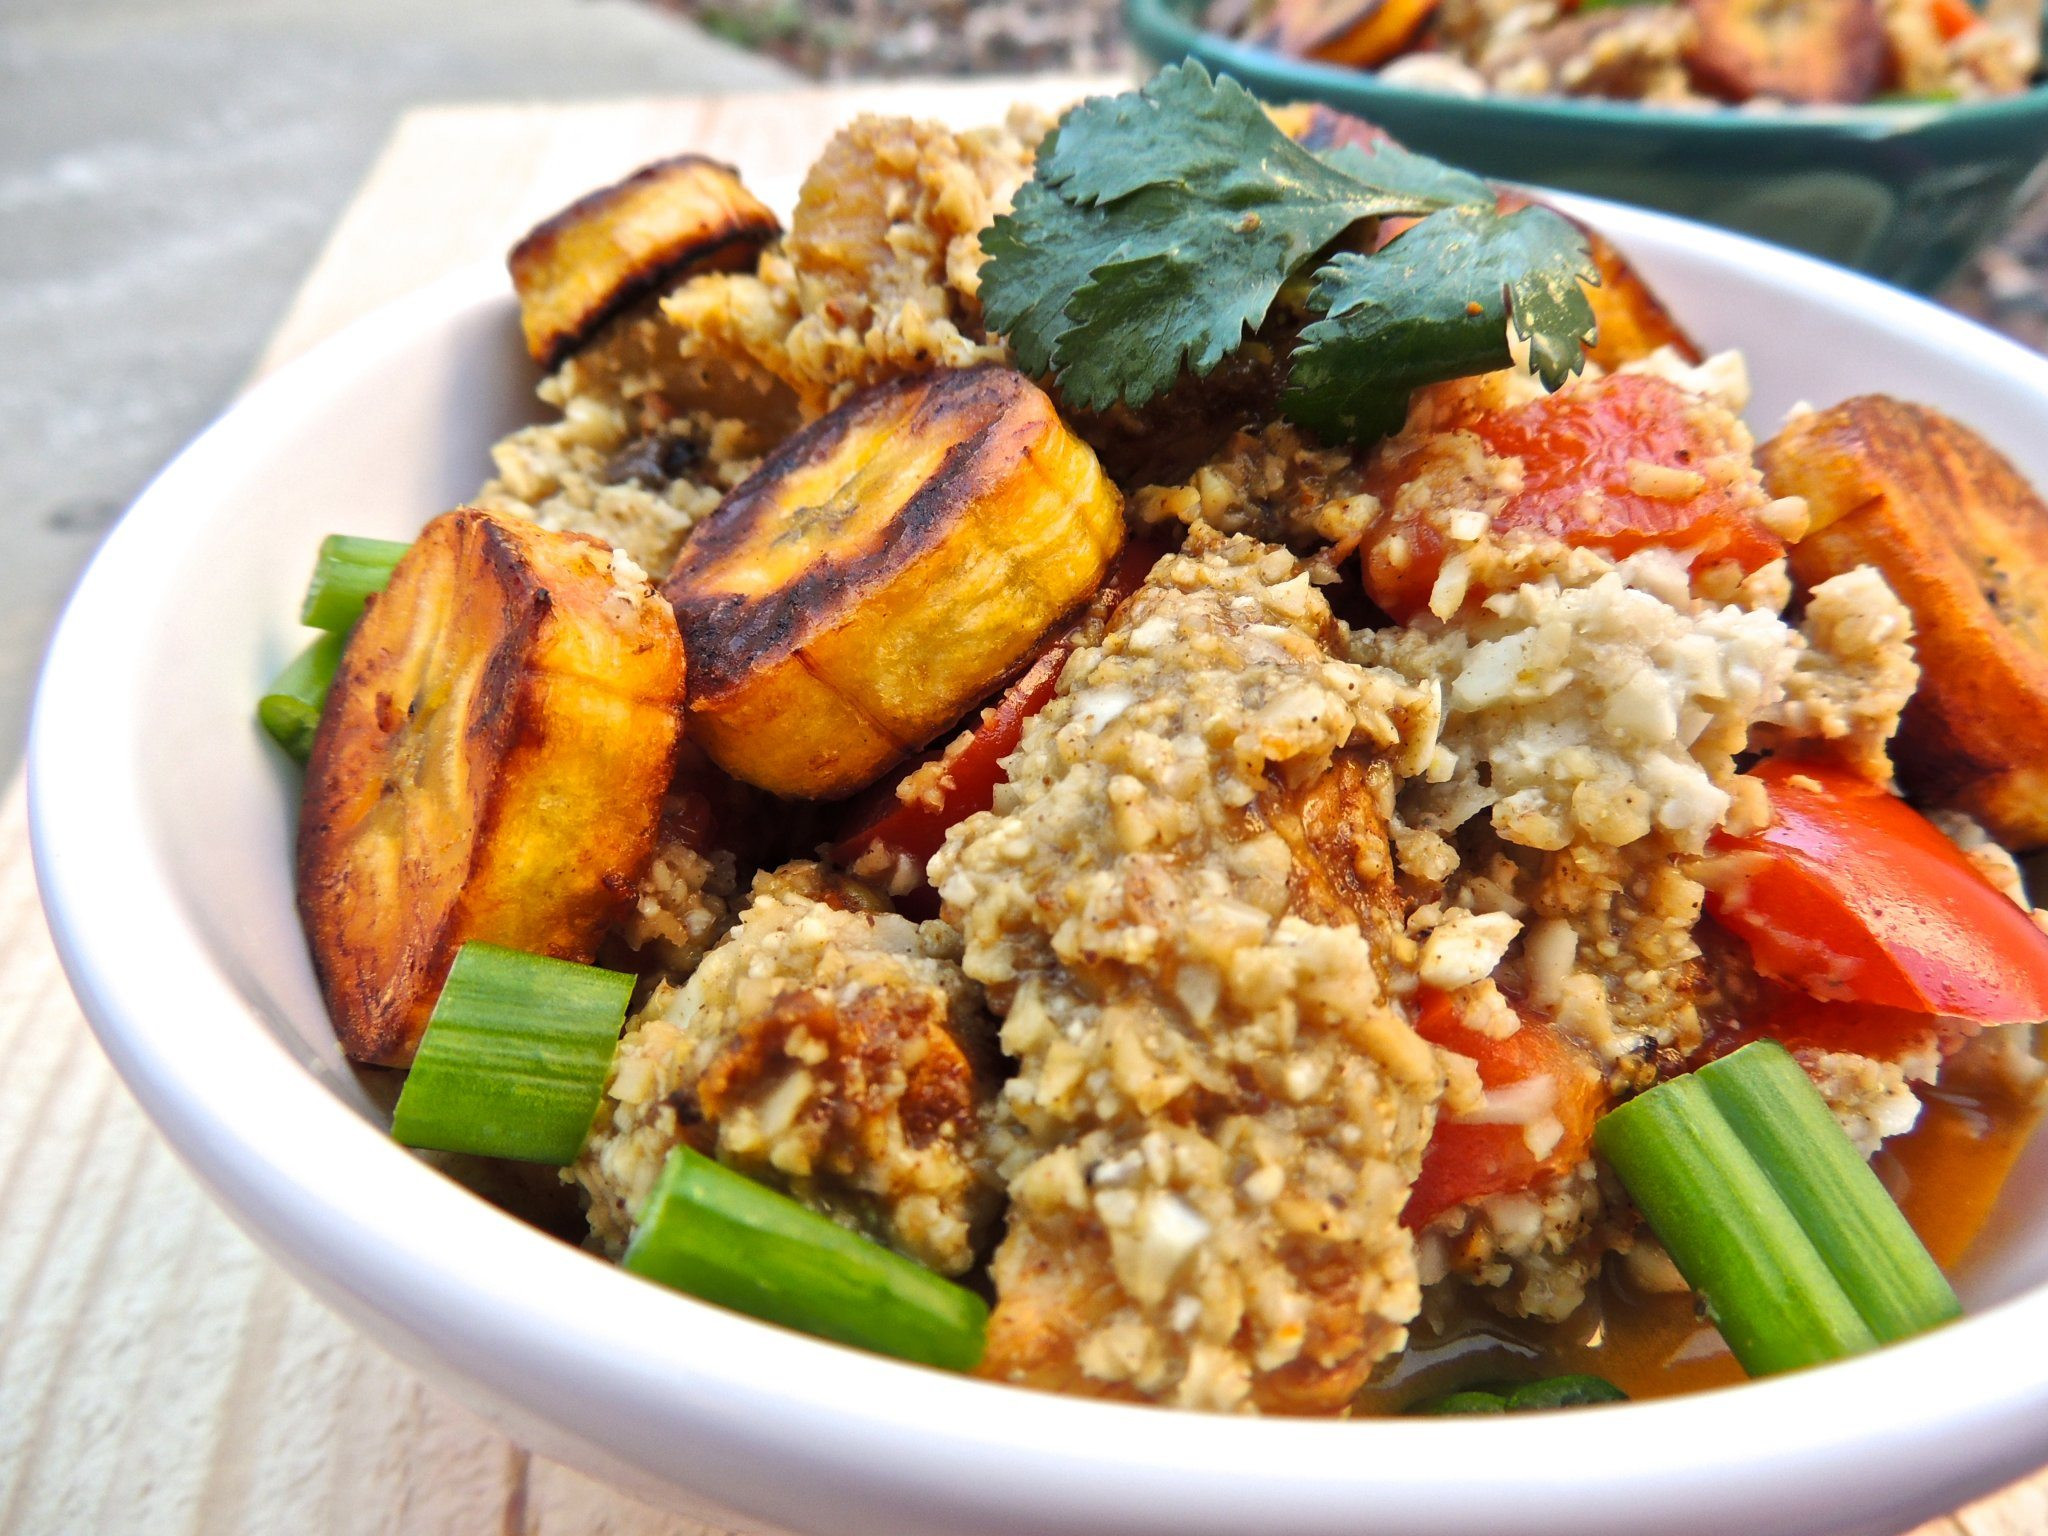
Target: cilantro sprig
[(1161, 225)]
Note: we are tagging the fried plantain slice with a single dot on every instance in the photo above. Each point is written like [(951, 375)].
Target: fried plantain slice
[(667, 220), (1963, 539), (1793, 50), (1360, 33), (1315, 126), (490, 766), (1630, 320), (882, 571)]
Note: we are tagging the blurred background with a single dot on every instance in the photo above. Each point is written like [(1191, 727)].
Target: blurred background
[(168, 169)]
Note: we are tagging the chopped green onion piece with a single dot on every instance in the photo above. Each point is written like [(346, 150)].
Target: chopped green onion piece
[(348, 570), (1715, 1204), (1564, 1392), (514, 1059), (290, 707), (1531, 1397), (1862, 1234), (1469, 1401), (721, 1237)]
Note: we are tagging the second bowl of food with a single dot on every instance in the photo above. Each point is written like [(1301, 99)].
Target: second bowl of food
[(1905, 189), (1233, 814)]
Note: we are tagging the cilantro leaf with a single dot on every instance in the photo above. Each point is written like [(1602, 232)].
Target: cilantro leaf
[(1435, 305), (1421, 183), (1159, 226), (1034, 258), (1208, 136), (1135, 323)]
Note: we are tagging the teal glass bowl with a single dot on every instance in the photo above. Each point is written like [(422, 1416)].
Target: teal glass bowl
[(1904, 192)]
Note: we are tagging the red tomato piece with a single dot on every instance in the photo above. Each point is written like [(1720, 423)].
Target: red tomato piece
[(1591, 462), (1468, 1159), (1952, 18), (1795, 1019), (1855, 897), (915, 829)]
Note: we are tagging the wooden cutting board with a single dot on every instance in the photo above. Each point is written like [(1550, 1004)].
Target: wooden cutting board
[(157, 1374)]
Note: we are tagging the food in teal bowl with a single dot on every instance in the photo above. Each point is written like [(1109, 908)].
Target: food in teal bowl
[(1905, 190)]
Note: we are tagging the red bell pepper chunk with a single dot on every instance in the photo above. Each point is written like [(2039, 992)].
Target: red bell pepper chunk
[(1852, 896), (1538, 1064)]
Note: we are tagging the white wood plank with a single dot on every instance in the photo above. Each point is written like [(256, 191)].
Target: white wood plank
[(2021, 1510)]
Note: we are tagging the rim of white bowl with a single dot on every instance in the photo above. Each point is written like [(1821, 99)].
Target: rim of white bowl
[(517, 1314)]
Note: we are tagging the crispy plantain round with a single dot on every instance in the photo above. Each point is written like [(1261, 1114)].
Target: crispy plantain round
[(1358, 33), (490, 766), (1963, 539), (882, 572), (577, 269)]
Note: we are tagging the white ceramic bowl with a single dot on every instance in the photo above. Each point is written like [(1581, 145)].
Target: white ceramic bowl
[(161, 823)]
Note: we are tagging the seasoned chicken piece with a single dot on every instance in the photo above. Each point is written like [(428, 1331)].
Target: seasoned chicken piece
[(634, 364), (1336, 831), (1182, 901), (832, 1051)]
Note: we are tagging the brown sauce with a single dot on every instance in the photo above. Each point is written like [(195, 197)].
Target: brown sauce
[(1946, 1174)]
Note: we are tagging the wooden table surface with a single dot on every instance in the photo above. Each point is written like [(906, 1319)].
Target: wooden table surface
[(157, 1374)]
